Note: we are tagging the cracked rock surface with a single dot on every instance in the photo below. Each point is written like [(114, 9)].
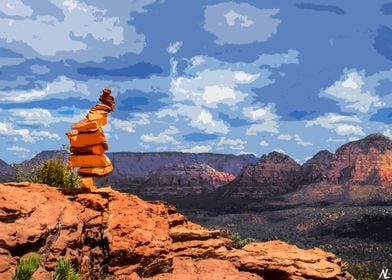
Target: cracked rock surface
[(110, 235)]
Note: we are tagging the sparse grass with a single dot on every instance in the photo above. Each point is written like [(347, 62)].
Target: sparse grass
[(65, 271), (28, 264)]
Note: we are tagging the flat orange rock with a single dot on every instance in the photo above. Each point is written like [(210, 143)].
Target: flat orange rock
[(86, 139), (94, 149), (95, 171), (99, 116), (86, 125), (89, 161), (101, 106)]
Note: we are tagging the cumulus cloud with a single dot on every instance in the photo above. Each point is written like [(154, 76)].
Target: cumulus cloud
[(263, 143), (163, 137), (211, 88), (198, 118), (342, 125), (197, 149), (240, 23), (234, 144), (7, 129), (39, 69), (173, 48), (18, 149), (296, 138), (40, 116), (350, 91), (56, 88), (264, 118), (15, 8), (130, 125)]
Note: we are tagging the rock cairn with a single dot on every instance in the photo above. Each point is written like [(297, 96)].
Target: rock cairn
[(88, 143)]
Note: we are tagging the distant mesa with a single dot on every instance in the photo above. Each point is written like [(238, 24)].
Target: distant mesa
[(183, 180)]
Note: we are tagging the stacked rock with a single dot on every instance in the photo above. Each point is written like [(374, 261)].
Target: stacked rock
[(87, 140)]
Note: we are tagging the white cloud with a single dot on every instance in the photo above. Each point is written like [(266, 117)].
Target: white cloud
[(265, 119), (18, 149), (234, 18), (212, 87), (8, 129), (173, 48), (130, 125), (240, 23), (351, 93), (40, 135), (301, 142), (57, 88), (339, 123), (234, 144), (279, 151), (163, 137), (199, 118), (197, 149), (285, 137), (263, 143), (15, 8), (48, 35)]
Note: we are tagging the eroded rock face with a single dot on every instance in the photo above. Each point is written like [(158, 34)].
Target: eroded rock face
[(316, 169), (364, 162), (111, 235), (275, 173), (183, 180)]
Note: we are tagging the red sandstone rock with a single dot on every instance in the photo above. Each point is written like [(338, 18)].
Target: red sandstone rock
[(181, 180), (364, 162), (275, 173), (121, 236), (81, 140)]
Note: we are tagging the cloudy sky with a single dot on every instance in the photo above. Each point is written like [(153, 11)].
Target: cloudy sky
[(197, 76)]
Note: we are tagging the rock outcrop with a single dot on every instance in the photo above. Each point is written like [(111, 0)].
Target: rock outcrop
[(110, 235), (364, 162), (88, 142), (316, 169), (182, 180), (274, 174)]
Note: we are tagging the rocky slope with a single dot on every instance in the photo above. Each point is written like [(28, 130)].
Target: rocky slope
[(110, 235), (7, 173), (365, 162), (182, 180), (274, 174)]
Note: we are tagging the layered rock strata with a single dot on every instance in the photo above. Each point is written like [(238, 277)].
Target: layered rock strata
[(87, 140), (110, 235)]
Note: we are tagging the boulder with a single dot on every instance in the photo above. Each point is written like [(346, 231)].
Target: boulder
[(80, 140), (98, 149), (85, 125), (89, 161), (95, 171)]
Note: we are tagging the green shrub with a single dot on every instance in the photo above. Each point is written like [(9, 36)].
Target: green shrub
[(28, 264), (361, 272), (238, 241), (65, 271), (55, 173)]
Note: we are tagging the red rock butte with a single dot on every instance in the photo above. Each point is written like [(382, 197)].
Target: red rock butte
[(87, 140)]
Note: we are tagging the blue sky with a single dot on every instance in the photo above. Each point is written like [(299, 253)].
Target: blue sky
[(196, 76)]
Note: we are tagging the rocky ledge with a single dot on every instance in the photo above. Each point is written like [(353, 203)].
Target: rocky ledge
[(111, 235)]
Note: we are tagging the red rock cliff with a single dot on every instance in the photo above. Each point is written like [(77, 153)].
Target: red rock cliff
[(110, 235)]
